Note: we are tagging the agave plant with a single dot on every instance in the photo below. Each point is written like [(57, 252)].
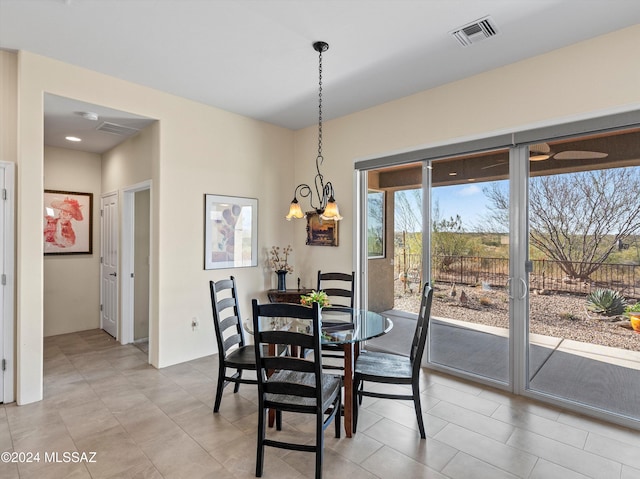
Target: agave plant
[(606, 302)]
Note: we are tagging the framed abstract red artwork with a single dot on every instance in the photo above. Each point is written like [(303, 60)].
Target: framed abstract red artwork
[(68, 222)]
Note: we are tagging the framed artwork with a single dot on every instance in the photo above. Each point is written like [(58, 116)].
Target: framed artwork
[(375, 224), (68, 222), (321, 232), (230, 232)]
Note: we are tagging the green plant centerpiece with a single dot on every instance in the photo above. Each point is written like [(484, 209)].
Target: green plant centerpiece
[(319, 297), (606, 302)]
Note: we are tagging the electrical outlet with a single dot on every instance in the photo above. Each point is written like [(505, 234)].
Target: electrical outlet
[(194, 323)]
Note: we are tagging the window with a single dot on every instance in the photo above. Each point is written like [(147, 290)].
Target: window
[(375, 224)]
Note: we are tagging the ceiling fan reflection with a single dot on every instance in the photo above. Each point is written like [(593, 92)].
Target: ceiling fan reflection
[(542, 152)]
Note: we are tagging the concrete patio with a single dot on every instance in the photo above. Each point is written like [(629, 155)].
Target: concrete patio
[(597, 376)]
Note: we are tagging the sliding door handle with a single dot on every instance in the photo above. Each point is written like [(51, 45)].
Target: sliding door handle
[(524, 289)]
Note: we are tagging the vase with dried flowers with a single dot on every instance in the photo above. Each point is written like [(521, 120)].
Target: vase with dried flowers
[(279, 262)]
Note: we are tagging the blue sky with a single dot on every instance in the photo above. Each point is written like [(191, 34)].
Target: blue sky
[(467, 200)]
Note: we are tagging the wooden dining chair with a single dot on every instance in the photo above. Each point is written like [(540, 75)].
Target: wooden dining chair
[(387, 368), (288, 383), (233, 352), (340, 289)]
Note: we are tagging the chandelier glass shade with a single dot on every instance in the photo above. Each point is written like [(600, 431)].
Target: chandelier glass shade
[(324, 202)]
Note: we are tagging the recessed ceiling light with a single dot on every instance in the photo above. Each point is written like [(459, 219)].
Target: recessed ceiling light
[(89, 115), (72, 138)]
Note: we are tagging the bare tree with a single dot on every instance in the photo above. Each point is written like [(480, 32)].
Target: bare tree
[(578, 219), (408, 212), (375, 222), (408, 221)]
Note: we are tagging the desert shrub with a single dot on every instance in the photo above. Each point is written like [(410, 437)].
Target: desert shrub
[(485, 301), (606, 302), (633, 308), (568, 316)]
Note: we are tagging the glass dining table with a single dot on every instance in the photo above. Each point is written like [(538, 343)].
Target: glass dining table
[(347, 328)]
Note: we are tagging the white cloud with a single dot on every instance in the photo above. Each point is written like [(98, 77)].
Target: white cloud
[(470, 190)]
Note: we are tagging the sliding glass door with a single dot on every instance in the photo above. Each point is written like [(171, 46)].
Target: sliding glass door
[(443, 228), (469, 252), (533, 249), (584, 249)]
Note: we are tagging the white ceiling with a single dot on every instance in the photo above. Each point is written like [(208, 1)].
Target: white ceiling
[(255, 57)]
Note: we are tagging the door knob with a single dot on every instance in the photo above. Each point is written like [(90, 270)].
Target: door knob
[(113, 274)]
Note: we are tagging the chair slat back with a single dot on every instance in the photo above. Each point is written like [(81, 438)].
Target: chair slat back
[(290, 389), (340, 287), (286, 364), (226, 315), (229, 322), (225, 303), (231, 341), (422, 328)]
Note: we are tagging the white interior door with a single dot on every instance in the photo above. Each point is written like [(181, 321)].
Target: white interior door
[(7, 248), (2, 288), (109, 264)]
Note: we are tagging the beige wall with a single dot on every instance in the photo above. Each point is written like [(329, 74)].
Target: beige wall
[(8, 106), (585, 80), (206, 150), (214, 152), (132, 161), (72, 282)]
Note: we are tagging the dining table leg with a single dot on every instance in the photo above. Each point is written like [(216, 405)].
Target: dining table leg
[(351, 352)]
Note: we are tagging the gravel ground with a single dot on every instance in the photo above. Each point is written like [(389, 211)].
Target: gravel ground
[(559, 315)]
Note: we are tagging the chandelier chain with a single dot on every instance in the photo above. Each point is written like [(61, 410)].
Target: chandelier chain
[(320, 104)]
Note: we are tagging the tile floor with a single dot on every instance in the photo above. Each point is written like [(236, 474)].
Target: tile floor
[(147, 423)]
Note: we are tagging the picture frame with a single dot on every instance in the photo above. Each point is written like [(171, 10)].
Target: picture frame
[(67, 222), (375, 224), (230, 232), (321, 232)]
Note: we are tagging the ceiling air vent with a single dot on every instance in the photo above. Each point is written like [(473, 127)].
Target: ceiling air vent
[(476, 31), (116, 129)]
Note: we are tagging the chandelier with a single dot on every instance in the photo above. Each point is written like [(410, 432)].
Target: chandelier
[(326, 206)]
